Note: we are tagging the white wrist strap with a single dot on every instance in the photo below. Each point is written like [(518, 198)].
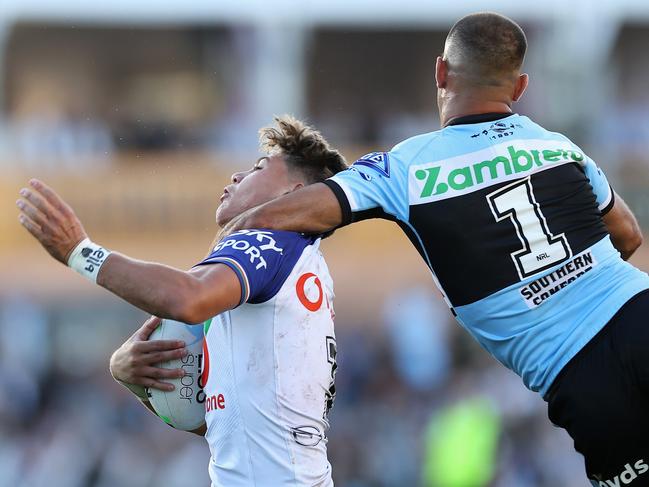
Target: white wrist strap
[(87, 258)]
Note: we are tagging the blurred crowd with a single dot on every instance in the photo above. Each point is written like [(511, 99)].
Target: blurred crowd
[(418, 404)]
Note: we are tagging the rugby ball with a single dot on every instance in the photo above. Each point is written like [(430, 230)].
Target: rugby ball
[(184, 407)]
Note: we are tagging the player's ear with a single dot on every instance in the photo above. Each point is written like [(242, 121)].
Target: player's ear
[(441, 72), (521, 85), (295, 186)]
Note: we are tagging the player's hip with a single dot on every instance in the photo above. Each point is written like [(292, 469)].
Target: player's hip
[(273, 468), (601, 398)]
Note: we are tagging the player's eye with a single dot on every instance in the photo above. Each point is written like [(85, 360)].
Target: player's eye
[(259, 164)]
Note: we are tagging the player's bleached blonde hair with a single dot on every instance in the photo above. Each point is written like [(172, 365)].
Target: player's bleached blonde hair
[(303, 148)]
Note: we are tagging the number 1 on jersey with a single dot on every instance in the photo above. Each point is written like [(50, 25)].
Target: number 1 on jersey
[(541, 249)]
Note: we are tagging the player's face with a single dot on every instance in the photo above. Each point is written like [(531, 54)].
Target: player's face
[(266, 180)]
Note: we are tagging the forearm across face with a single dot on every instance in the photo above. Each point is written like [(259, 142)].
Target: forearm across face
[(313, 209)]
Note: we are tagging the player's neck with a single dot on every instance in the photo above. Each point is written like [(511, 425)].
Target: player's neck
[(462, 106)]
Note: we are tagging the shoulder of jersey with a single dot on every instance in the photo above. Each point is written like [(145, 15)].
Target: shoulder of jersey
[(283, 236), (531, 124), (409, 147)]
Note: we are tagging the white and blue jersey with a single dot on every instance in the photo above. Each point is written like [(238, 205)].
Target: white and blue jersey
[(269, 364), (508, 216)]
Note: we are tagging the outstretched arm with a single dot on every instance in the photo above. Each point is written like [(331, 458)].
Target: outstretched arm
[(191, 297), (161, 290), (312, 209)]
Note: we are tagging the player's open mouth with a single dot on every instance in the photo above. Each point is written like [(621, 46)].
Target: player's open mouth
[(224, 195)]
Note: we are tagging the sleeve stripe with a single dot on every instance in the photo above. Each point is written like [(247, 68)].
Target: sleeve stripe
[(239, 271), (608, 203), (343, 200)]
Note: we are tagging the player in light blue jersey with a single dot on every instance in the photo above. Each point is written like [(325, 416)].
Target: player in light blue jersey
[(266, 298), (525, 238)]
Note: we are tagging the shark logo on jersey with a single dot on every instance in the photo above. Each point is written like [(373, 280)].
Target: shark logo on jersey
[(467, 173), (498, 130), (377, 161)]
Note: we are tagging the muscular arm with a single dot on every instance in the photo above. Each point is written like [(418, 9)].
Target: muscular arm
[(161, 290), (623, 228), (312, 209), (191, 297)]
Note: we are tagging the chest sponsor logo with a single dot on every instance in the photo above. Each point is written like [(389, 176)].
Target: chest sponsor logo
[(214, 402), (309, 291), (539, 290), (464, 174), (627, 476), (263, 241)]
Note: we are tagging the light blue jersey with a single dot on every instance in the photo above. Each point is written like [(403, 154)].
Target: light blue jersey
[(508, 216)]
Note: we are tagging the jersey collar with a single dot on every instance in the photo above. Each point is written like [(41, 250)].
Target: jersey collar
[(479, 118)]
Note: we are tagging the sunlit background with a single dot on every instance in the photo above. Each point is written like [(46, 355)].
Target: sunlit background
[(138, 112)]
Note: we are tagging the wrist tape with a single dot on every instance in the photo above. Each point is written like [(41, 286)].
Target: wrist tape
[(87, 258)]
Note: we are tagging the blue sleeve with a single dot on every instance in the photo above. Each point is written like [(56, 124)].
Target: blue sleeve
[(601, 187), (261, 259), (375, 186)]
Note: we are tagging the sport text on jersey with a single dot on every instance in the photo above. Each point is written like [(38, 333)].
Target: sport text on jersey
[(536, 292), (254, 252), (434, 181)]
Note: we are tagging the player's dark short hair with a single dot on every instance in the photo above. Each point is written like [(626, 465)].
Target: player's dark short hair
[(303, 148), (489, 46)]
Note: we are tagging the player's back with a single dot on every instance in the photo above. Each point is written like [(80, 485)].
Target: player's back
[(508, 217), (270, 364)]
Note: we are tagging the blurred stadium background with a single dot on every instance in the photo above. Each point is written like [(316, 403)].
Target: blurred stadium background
[(138, 112)]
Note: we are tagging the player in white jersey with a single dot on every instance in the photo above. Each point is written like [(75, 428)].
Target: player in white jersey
[(524, 236), (266, 301)]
